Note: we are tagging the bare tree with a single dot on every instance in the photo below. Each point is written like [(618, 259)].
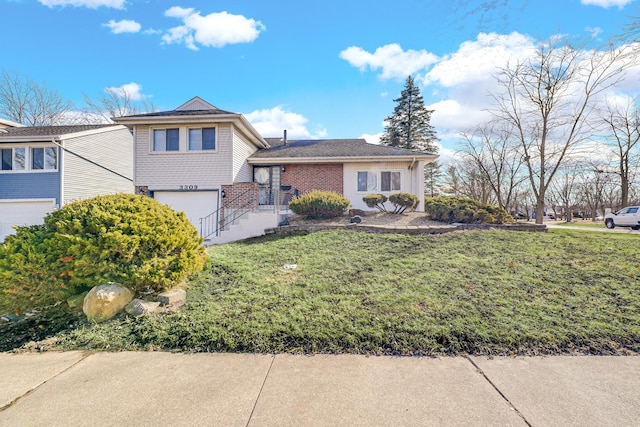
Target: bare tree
[(463, 179), (565, 190), (23, 100), (623, 125), (490, 149), (114, 102), (594, 186), (548, 99)]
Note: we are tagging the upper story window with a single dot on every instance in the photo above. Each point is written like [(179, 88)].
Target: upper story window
[(44, 158), (202, 139), (20, 159), (166, 140)]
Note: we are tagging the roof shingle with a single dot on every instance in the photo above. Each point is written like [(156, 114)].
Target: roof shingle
[(48, 131), (314, 148)]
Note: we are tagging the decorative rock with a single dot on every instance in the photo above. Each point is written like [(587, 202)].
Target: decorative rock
[(75, 302), (105, 301), (172, 299), (355, 220), (138, 307), (356, 212)]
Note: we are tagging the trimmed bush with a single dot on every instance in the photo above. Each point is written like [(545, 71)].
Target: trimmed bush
[(375, 201), (133, 240), (403, 201), (319, 204), (464, 210)]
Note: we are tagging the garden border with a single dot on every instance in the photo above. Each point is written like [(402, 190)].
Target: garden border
[(407, 229)]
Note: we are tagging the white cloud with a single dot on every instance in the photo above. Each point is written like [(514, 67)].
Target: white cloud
[(606, 3), (594, 31), (394, 62), (372, 139), (123, 26), (457, 114), (214, 30), (272, 123), (91, 4), (477, 60), (132, 90)]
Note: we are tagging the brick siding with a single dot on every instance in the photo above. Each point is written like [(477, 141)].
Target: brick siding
[(240, 195), (306, 178)]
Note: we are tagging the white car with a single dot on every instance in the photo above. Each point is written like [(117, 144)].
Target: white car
[(625, 217)]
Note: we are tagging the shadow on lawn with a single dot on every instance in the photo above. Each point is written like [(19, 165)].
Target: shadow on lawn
[(37, 327)]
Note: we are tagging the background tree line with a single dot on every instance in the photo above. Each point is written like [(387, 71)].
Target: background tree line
[(33, 103)]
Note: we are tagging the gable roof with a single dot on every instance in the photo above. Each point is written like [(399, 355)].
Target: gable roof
[(193, 112), (332, 150), (46, 133)]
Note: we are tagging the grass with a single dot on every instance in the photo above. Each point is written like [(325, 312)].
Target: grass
[(580, 223), (491, 292)]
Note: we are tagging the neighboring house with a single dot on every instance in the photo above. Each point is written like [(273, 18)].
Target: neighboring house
[(4, 123), (44, 167), (232, 183)]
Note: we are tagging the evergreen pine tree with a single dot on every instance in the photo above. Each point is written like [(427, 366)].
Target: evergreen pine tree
[(409, 127)]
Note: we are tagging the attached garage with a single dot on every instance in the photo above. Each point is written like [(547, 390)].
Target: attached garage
[(22, 212), (195, 204)]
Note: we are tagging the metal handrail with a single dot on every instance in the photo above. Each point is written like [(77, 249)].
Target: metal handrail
[(206, 223)]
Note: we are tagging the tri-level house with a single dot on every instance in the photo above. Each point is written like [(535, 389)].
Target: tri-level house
[(233, 183), (43, 168)]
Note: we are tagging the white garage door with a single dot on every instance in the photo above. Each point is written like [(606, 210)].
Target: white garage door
[(22, 212), (195, 204)]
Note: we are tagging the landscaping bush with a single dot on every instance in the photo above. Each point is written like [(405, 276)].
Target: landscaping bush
[(403, 201), (464, 210), (319, 204), (375, 201), (133, 240)]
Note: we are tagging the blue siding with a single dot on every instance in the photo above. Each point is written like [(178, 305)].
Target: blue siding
[(30, 186)]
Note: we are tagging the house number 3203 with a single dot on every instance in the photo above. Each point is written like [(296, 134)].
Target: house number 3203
[(188, 187)]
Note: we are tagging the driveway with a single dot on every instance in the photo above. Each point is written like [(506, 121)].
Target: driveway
[(586, 228)]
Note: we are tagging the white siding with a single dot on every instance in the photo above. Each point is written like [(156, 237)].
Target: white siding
[(241, 150), (411, 181), (81, 179), (170, 170)]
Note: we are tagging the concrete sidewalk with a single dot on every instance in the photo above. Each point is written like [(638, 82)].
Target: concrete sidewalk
[(165, 389)]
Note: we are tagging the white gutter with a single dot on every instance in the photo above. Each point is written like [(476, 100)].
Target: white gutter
[(304, 160)]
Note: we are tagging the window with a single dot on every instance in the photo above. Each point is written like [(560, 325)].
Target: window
[(19, 159), (202, 139), (44, 158), (390, 181), (166, 140), (367, 181), (7, 159)]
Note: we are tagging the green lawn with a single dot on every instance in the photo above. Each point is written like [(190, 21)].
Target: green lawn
[(580, 223), (480, 292)]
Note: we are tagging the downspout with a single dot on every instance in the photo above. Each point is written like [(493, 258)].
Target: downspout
[(60, 169), (413, 162)]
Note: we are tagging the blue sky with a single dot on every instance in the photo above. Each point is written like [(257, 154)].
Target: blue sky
[(327, 69)]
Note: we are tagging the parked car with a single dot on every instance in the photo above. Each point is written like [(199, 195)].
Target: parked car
[(625, 217)]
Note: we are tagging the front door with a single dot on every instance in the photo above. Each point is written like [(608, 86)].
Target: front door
[(268, 179)]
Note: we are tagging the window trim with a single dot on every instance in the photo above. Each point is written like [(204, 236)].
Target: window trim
[(152, 139), (202, 128), (28, 158), (378, 177)]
